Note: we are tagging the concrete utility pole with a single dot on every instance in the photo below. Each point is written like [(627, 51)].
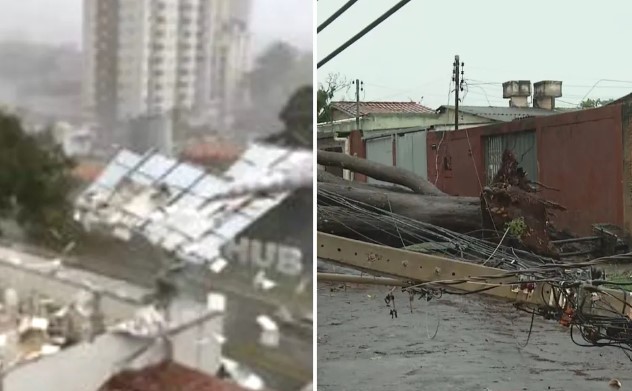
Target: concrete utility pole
[(359, 87), (457, 78)]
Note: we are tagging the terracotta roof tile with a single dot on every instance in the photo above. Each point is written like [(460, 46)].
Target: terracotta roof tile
[(87, 171), (167, 376), (381, 107), (211, 152)]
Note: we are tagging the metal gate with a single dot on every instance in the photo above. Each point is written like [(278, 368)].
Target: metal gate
[(522, 144), (411, 153), (379, 150)]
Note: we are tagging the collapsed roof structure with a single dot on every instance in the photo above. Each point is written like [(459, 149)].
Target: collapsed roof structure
[(184, 210)]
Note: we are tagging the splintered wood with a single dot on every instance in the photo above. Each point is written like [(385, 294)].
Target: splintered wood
[(510, 201)]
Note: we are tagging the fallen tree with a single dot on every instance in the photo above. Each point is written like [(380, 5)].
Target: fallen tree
[(379, 171), (461, 214), (509, 206)]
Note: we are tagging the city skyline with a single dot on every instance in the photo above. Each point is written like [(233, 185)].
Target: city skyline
[(63, 23)]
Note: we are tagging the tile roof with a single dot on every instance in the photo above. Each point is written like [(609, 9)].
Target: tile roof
[(209, 152), (381, 107), (502, 113), (87, 171), (166, 376)]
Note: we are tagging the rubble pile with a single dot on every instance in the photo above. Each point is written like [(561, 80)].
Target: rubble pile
[(167, 376)]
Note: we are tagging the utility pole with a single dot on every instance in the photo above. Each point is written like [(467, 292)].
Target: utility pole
[(457, 78), (359, 87)]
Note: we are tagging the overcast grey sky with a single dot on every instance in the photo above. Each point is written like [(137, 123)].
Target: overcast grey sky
[(410, 55), (59, 21)]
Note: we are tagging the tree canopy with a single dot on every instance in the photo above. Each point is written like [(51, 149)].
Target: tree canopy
[(593, 103), (279, 72), (325, 95), (35, 182)]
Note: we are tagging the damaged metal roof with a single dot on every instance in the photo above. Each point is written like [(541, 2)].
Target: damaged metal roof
[(186, 210)]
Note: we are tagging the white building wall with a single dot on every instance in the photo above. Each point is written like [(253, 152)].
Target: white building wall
[(133, 57), (88, 32), (189, 48), (169, 54), (164, 53)]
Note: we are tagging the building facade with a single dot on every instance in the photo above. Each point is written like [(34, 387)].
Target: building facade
[(149, 58)]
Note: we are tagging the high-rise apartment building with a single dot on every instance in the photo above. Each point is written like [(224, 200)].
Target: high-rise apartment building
[(147, 58)]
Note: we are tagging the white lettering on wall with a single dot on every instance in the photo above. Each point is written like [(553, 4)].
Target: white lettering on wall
[(283, 259)]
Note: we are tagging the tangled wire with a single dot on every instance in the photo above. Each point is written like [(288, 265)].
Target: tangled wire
[(577, 305)]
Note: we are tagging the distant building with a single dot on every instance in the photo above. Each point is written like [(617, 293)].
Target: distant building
[(76, 142), (395, 133), (147, 58)]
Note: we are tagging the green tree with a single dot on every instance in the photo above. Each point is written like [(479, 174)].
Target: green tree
[(325, 95), (297, 115), (593, 103), (278, 73), (35, 182)]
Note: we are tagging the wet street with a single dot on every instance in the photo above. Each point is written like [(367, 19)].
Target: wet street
[(477, 347)]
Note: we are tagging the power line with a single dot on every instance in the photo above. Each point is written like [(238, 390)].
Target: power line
[(335, 15), (362, 33)]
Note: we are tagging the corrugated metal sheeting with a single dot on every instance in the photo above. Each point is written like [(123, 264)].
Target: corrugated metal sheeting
[(411, 153), (522, 144), (408, 151), (379, 150), (181, 208)]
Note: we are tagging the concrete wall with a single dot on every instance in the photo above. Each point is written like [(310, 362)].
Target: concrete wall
[(373, 122), (579, 153), (147, 132), (626, 123)]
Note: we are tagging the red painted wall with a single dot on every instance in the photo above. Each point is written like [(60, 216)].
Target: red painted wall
[(357, 147), (579, 153)]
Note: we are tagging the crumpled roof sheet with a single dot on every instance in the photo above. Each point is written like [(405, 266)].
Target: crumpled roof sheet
[(167, 376), (185, 210)]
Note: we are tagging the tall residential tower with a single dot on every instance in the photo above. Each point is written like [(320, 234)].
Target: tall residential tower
[(147, 58)]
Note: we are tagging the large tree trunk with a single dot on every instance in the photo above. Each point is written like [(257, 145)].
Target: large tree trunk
[(509, 205), (460, 214), (326, 177), (379, 171)]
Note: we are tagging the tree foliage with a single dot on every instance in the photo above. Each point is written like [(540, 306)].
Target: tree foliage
[(297, 115), (593, 103), (325, 95), (35, 182), (278, 73)]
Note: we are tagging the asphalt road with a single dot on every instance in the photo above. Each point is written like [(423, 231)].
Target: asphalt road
[(477, 347)]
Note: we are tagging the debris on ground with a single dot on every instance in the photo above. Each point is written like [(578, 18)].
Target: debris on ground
[(167, 376)]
